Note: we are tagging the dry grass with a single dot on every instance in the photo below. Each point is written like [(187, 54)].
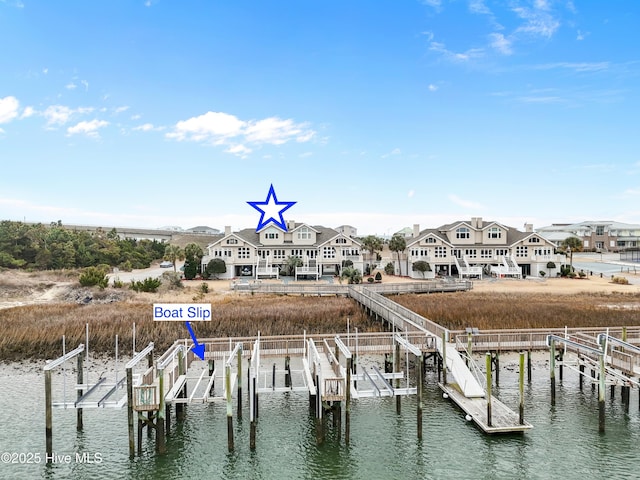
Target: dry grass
[(35, 331), (491, 310)]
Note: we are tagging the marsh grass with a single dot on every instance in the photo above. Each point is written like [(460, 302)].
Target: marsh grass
[(35, 331), (490, 310)]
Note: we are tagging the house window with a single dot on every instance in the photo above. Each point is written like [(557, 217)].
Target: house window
[(534, 240), (296, 252), (456, 253), (271, 235), (471, 252), (462, 232), (494, 232), (304, 234), (430, 240), (278, 254), (244, 252), (328, 252), (486, 253), (341, 240), (440, 252), (232, 241), (502, 251), (600, 230), (522, 251), (311, 253)]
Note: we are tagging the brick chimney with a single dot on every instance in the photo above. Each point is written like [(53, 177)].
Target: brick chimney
[(227, 230), (416, 230)]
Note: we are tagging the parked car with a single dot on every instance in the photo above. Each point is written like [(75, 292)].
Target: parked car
[(166, 264)]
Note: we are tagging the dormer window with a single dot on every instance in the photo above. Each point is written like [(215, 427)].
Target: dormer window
[(271, 234), (462, 233), (495, 232), (304, 234), (232, 241)]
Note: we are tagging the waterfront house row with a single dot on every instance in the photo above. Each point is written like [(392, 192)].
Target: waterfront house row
[(476, 247), (264, 254)]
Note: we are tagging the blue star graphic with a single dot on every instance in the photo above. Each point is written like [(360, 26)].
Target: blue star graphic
[(269, 209)]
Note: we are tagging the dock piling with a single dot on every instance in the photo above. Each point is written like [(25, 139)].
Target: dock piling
[(521, 374), (488, 366)]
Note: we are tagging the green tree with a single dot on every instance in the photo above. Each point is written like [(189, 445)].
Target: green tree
[(215, 267), (570, 245), (352, 275), (421, 266), (173, 253), (372, 244), (293, 261), (397, 244)]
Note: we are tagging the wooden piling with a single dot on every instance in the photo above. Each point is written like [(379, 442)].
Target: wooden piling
[(182, 370), (287, 369), (319, 422), (561, 365), (396, 369), (419, 363), (48, 415), (444, 358), (601, 396), (239, 412), (488, 366), (552, 370), (581, 375), (252, 414), (132, 444), (496, 362), (347, 403), (529, 366), (227, 385), (161, 446), (80, 378), (521, 374)]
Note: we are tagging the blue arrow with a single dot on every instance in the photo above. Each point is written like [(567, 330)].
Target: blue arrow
[(198, 348)]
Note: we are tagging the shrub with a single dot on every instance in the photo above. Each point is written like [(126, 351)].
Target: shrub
[(126, 266), (542, 273), (389, 269), (204, 287), (582, 274), (149, 284), (378, 277), (94, 276), (215, 267), (551, 265), (117, 283), (347, 263), (352, 275), (421, 266), (620, 280), (190, 269), (173, 280), (370, 279)]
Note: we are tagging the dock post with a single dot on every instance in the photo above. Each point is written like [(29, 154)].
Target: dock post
[(240, 382), (48, 415), (227, 388), (488, 365), (419, 363), (561, 366), (319, 420), (601, 396), (273, 377), (161, 446), (444, 358), (521, 388), (287, 370), (396, 369), (529, 366), (552, 370), (79, 424), (581, 370), (347, 403), (132, 442), (468, 348), (496, 362), (593, 376), (252, 413), (182, 370)]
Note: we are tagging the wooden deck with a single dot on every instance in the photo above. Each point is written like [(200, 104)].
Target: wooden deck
[(503, 419)]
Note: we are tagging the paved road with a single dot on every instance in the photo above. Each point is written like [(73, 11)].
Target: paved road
[(138, 275)]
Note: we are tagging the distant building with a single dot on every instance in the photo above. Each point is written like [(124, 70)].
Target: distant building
[(598, 236), (347, 230), (203, 230)]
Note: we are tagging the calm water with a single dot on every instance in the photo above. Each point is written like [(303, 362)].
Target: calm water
[(564, 443)]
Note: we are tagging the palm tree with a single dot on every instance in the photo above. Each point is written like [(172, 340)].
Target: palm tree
[(293, 262), (570, 245), (398, 244), (372, 244), (173, 253)]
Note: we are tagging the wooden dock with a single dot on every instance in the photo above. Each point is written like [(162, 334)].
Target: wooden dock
[(503, 419)]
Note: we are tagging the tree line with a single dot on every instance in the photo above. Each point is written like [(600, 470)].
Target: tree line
[(53, 247)]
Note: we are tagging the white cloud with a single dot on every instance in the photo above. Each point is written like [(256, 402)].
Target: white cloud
[(45, 70), (2, 132), (136, 117), (221, 128), (85, 84), (465, 203), (411, 193), (27, 112), (146, 127), (395, 151), (456, 56), (433, 3), (71, 86), (239, 150), (537, 21), (61, 114), (478, 6), (8, 109), (432, 87), (124, 108), (579, 67), (500, 43), (89, 128)]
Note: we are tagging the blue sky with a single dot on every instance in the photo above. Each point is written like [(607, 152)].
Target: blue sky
[(378, 114)]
